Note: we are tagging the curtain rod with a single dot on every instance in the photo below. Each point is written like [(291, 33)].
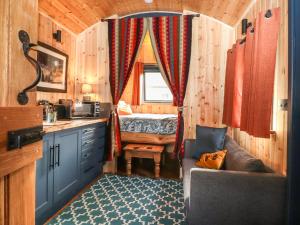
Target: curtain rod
[(194, 15)]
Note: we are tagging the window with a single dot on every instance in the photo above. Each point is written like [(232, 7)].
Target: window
[(155, 88)]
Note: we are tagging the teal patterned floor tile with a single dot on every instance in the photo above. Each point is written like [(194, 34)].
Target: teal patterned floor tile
[(120, 200)]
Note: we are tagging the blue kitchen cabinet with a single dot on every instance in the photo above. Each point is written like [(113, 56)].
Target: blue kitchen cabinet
[(67, 160), (92, 151), (44, 179), (71, 159)]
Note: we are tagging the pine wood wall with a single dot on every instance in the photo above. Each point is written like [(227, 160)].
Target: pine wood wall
[(272, 151), (67, 45), (205, 90), (93, 61)]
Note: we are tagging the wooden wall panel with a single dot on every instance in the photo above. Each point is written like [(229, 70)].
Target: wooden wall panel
[(68, 45), (272, 151), (205, 90), (2, 199), (16, 72), (22, 196), (93, 63), (4, 40)]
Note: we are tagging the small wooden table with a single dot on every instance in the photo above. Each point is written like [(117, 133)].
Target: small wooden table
[(143, 151)]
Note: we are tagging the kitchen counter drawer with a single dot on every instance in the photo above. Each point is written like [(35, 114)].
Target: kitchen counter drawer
[(93, 131), (89, 170)]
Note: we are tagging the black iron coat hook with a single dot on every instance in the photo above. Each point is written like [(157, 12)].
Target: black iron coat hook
[(27, 46)]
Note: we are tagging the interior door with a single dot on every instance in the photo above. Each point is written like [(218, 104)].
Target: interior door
[(17, 166), (66, 172)]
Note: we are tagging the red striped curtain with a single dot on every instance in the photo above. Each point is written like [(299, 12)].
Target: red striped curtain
[(125, 38), (171, 40), (138, 70)]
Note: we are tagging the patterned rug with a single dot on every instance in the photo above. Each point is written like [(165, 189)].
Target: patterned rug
[(119, 200)]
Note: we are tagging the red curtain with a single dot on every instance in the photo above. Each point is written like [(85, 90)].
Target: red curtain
[(234, 85), (261, 86), (138, 70), (171, 40), (228, 86), (265, 46), (249, 82), (245, 114), (238, 84), (125, 37)]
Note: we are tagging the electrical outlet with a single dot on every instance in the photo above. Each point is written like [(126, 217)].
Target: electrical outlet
[(283, 104)]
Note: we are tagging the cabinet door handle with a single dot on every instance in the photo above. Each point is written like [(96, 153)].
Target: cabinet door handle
[(58, 154), (88, 169), (88, 130), (51, 157), (88, 142)]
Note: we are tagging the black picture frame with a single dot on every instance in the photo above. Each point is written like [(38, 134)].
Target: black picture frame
[(48, 56)]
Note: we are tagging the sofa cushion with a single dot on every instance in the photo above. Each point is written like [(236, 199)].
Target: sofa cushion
[(187, 165), (209, 139), (213, 160), (239, 159)]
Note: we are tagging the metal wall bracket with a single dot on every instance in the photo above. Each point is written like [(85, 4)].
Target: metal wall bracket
[(27, 46), (283, 104)]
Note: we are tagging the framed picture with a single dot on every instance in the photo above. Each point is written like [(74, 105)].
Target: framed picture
[(54, 64)]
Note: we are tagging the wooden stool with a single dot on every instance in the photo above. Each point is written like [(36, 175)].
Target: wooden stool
[(143, 151)]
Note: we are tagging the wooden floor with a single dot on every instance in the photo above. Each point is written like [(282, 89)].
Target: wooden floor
[(145, 167)]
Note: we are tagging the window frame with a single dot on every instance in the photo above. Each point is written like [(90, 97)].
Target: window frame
[(152, 68)]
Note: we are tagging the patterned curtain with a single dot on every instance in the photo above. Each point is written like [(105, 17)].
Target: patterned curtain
[(171, 40), (125, 37)]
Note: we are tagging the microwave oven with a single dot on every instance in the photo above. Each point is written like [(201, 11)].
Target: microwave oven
[(87, 109)]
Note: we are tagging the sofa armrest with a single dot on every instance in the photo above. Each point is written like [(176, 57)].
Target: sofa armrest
[(222, 197), (189, 148)]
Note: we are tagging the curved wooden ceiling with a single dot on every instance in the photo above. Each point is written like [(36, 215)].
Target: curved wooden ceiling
[(77, 15)]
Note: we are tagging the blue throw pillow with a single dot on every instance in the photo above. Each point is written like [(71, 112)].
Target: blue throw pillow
[(209, 139)]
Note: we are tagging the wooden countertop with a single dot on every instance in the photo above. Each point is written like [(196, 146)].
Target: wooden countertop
[(63, 125)]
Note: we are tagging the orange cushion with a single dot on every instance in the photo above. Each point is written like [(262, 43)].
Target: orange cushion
[(212, 160), (124, 109)]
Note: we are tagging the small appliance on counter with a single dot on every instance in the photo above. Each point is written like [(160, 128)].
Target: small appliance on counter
[(47, 107), (64, 109), (86, 110), (49, 113), (53, 112), (105, 109)]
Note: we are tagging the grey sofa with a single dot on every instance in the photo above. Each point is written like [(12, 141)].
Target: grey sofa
[(245, 193)]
